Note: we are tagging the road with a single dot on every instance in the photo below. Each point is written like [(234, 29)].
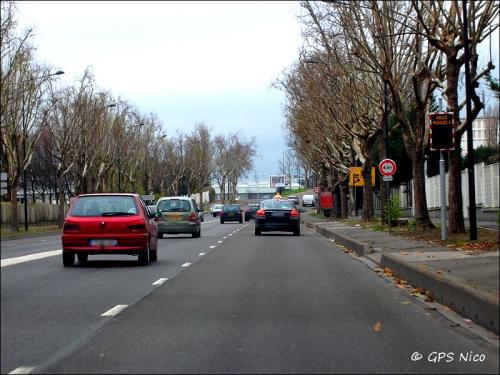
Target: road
[(233, 303)]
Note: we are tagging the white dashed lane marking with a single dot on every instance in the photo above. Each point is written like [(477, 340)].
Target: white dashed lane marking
[(28, 258), (115, 310), (201, 254), (160, 281), (212, 247), (22, 370), (186, 265)]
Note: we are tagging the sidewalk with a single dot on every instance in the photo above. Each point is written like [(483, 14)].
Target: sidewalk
[(465, 281)]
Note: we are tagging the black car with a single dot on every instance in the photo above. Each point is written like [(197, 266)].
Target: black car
[(231, 212), (250, 211), (277, 215)]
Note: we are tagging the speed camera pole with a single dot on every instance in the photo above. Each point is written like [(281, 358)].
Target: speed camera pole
[(442, 137)]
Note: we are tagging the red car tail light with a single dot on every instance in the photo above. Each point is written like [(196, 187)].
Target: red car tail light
[(261, 213), (70, 227), (294, 213), (137, 227), (192, 217)]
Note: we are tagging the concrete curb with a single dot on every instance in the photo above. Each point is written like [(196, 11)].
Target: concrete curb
[(469, 302), (359, 247)]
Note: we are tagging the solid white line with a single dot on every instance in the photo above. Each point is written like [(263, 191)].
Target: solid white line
[(186, 265), (212, 247), (160, 281), (201, 254), (22, 370), (115, 310), (27, 258)]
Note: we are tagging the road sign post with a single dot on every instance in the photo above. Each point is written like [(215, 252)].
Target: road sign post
[(387, 168), (442, 138)]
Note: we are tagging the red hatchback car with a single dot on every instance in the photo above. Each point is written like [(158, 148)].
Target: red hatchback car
[(109, 224)]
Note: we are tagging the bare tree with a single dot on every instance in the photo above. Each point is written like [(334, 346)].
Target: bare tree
[(442, 25)]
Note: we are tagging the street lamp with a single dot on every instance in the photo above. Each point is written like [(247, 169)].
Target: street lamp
[(25, 193)]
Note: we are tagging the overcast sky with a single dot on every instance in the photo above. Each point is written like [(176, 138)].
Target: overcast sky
[(185, 61)]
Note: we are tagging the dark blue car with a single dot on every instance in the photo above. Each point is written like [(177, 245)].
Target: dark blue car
[(231, 212)]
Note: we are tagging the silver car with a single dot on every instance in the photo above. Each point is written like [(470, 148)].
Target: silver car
[(179, 215)]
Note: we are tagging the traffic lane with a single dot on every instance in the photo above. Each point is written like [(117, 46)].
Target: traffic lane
[(26, 246), (47, 308), (277, 304)]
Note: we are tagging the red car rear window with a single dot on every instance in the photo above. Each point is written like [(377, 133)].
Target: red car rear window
[(105, 205)]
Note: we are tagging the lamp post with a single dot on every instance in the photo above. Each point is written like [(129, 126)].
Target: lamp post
[(25, 193)]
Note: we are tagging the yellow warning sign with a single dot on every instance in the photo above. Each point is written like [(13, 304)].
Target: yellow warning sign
[(356, 176)]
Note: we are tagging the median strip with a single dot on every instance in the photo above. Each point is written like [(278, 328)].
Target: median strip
[(28, 258)]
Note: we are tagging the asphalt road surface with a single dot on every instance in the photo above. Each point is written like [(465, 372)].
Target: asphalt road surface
[(233, 302)]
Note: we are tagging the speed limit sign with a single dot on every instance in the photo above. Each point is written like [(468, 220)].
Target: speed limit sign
[(387, 167)]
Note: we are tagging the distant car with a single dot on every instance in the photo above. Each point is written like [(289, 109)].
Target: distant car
[(152, 208), (277, 215), (179, 215), (216, 209), (308, 200), (109, 224), (231, 212), (294, 199), (250, 211)]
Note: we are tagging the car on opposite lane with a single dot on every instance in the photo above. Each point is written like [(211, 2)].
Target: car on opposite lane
[(294, 199), (231, 212), (277, 215), (179, 215), (109, 224)]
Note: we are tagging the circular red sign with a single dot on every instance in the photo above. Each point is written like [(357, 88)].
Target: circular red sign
[(387, 167), (316, 190)]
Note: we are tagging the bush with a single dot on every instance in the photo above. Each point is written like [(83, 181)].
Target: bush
[(392, 209)]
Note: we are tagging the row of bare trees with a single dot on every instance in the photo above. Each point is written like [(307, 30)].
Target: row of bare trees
[(77, 139), (364, 61)]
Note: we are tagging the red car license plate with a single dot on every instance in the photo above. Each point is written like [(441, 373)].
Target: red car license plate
[(103, 242)]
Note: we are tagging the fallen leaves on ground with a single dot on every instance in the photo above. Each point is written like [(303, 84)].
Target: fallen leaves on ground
[(377, 327), (479, 245), (405, 302), (388, 271)]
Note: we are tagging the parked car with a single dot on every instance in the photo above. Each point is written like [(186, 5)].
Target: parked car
[(216, 209), (109, 224), (250, 211), (231, 212), (179, 215), (294, 199), (277, 215), (308, 200)]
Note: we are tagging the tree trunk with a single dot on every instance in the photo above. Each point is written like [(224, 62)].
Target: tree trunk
[(368, 211), (14, 223), (455, 200), (344, 198), (60, 188), (422, 218), (456, 214)]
